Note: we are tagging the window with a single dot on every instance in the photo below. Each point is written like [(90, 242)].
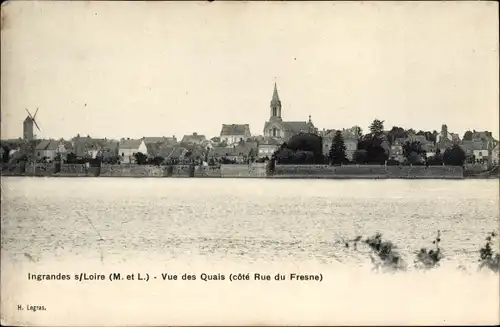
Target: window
[(123, 154)]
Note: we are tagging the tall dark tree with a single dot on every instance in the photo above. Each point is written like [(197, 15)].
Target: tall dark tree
[(6, 151), (454, 156), (337, 150), (307, 142), (377, 127), (375, 153)]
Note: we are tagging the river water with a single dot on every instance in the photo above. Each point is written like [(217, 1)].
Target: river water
[(219, 226)]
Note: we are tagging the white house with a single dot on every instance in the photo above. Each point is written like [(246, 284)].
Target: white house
[(234, 133), (128, 148), (481, 155)]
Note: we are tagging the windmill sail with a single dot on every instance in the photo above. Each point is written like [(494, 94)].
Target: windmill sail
[(33, 118)]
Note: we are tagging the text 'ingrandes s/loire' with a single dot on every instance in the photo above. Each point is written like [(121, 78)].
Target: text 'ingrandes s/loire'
[(60, 276)]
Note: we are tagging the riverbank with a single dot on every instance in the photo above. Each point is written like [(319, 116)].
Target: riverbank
[(256, 170)]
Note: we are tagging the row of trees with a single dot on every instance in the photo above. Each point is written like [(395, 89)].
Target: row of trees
[(372, 148)]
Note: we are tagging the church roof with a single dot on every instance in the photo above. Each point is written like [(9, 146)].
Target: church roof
[(234, 129), (296, 126)]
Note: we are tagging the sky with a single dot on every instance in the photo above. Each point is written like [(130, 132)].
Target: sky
[(134, 69)]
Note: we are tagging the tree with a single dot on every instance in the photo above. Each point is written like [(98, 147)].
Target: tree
[(396, 133), (71, 158), (360, 156), (6, 151), (140, 158), (375, 153), (337, 150), (454, 156), (252, 154), (157, 160), (307, 142), (377, 127), (358, 132), (414, 152)]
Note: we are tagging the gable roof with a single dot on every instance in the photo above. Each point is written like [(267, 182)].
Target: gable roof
[(235, 129), (53, 145), (193, 138), (296, 126), (42, 145), (49, 145), (130, 144), (153, 148)]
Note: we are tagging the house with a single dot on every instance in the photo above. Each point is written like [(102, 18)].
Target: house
[(93, 147), (128, 148), (350, 136), (207, 144), (267, 147), (445, 139), (50, 149), (234, 133), (284, 130), (239, 153), (495, 155), (193, 139), (417, 138), (481, 156), (397, 151)]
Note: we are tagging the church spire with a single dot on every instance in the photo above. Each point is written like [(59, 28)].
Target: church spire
[(276, 98), (275, 103)]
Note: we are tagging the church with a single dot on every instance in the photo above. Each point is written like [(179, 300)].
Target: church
[(276, 128)]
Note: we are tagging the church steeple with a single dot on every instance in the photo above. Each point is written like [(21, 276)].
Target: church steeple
[(275, 103)]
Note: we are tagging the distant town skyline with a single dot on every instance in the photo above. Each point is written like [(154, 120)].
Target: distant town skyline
[(191, 67)]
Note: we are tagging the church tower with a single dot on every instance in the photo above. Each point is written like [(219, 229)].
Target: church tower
[(275, 105)]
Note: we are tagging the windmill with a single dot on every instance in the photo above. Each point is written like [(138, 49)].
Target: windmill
[(29, 136)]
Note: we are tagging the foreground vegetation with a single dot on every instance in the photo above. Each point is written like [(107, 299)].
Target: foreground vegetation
[(385, 256)]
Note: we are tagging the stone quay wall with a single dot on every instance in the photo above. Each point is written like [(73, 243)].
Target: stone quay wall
[(368, 171)]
